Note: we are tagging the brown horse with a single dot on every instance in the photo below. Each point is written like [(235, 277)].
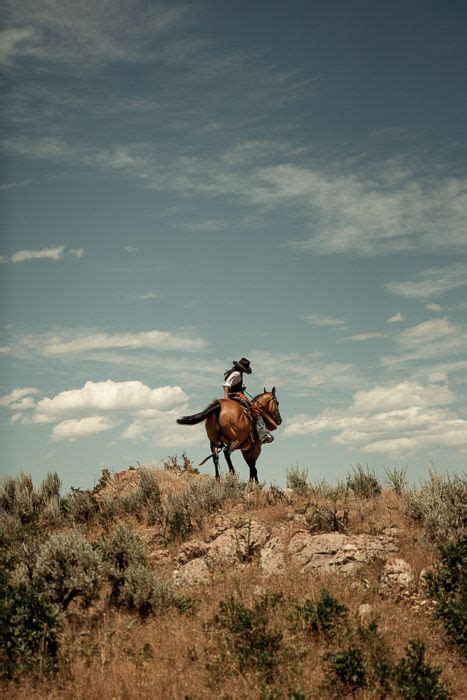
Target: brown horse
[(229, 427)]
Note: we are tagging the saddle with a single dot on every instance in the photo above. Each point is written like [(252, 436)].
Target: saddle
[(251, 413)]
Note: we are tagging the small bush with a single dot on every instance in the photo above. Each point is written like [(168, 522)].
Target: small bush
[(23, 503), (67, 567), (448, 585), (297, 480), (144, 592), (326, 518), (349, 668), (397, 479), (171, 464), (80, 506), (186, 510), (29, 630), (150, 496), (417, 680), (363, 482), (248, 637), (323, 617), (439, 505), (121, 551)]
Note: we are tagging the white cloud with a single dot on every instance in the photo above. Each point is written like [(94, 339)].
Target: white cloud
[(149, 295), (17, 394), (130, 249), (82, 427), (322, 320), (361, 337), (160, 428), (52, 253), (109, 397), (433, 281), (364, 213), (78, 252), (396, 318), (154, 340), (397, 419), (433, 307), (301, 372), (65, 34), (12, 185), (429, 340), (13, 42), (100, 406)]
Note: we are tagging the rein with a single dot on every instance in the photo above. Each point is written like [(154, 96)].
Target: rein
[(259, 408)]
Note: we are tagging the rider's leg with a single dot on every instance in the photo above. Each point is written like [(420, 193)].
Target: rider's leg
[(263, 433)]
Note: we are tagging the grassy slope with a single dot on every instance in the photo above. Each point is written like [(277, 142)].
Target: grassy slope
[(109, 653)]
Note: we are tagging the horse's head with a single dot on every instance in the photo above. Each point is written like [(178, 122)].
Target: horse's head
[(269, 402)]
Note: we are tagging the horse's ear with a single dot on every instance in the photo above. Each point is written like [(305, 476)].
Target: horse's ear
[(273, 390), (265, 390)]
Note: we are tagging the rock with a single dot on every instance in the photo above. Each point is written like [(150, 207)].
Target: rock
[(365, 611), (191, 550), (271, 560), (159, 556), (332, 552), (238, 543), (397, 576), (193, 572)]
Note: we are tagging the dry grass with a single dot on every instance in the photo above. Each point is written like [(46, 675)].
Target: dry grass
[(109, 653)]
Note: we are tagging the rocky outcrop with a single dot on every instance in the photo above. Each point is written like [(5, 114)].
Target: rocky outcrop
[(335, 552), (396, 577), (249, 541)]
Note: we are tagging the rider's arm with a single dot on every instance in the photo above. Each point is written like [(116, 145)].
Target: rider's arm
[(226, 392)]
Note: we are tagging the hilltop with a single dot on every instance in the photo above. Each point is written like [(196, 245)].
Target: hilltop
[(165, 583)]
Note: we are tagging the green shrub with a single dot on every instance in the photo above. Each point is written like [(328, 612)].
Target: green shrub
[(448, 585), (397, 479), (439, 505), (248, 637), (297, 480), (144, 592), (29, 630), (186, 510), (133, 583), (150, 496), (417, 680), (368, 661), (323, 617), (363, 482), (67, 567), (121, 551), (349, 668), (80, 506), (23, 503)]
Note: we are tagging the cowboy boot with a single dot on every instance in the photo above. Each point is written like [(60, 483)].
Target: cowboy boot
[(263, 433)]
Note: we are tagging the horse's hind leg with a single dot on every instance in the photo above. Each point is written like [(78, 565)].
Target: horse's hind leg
[(228, 460), (215, 458)]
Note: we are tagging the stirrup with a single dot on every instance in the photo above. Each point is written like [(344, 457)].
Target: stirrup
[(268, 438)]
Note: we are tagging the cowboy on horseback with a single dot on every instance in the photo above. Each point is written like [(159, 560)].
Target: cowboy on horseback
[(228, 421), (234, 389)]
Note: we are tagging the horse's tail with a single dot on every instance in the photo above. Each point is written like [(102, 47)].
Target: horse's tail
[(213, 407)]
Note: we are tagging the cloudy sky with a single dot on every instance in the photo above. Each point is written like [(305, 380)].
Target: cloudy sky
[(185, 184)]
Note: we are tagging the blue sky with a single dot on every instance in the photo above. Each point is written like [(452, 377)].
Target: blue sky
[(186, 184)]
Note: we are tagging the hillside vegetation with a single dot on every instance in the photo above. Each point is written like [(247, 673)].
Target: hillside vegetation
[(163, 583)]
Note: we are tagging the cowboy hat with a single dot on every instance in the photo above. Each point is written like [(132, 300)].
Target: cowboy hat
[(243, 365)]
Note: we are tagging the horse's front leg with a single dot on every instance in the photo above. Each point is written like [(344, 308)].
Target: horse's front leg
[(250, 457)]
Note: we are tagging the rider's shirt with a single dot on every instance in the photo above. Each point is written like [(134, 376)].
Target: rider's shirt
[(234, 380)]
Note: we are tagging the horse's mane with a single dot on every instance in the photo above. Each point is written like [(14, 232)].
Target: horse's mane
[(255, 398)]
